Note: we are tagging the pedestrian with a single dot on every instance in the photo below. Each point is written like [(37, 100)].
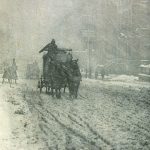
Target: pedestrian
[(103, 72), (14, 75), (86, 73), (69, 57), (96, 74), (51, 48), (7, 75)]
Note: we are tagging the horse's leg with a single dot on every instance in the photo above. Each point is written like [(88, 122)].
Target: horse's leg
[(59, 92), (41, 89), (65, 88), (76, 90), (52, 91), (56, 92), (40, 86), (59, 89), (46, 88), (3, 81), (70, 90), (9, 81)]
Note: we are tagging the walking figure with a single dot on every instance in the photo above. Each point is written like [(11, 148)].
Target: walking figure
[(51, 48), (7, 75), (14, 71), (103, 73)]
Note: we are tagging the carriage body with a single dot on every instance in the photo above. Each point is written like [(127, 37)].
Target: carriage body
[(57, 71), (50, 78), (61, 58)]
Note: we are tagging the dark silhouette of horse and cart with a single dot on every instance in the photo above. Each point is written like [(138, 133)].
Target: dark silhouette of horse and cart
[(10, 73), (59, 71)]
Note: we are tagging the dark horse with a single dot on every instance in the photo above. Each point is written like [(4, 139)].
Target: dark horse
[(58, 79), (10, 74), (63, 75), (73, 78), (7, 75)]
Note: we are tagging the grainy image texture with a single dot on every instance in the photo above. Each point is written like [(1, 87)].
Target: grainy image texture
[(74, 74)]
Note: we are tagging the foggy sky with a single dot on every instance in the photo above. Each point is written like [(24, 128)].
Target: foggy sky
[(28, 25)]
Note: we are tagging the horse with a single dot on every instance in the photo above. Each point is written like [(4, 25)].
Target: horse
[(58, 79), (61, 75), (74, 78), (7, 75)]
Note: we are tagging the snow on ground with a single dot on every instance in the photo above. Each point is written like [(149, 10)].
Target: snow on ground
[(5, 132), (125, 78), (117, 80), (107, 115), (17, 130)]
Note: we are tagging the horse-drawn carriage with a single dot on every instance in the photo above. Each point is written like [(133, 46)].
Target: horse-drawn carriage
[(10, 73), (60, 71)]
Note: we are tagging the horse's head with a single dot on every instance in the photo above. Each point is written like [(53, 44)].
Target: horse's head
[(75, 65)]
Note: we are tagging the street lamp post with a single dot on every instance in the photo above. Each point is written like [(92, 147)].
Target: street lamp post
[(89, 59), (88, 34), (125, 37)]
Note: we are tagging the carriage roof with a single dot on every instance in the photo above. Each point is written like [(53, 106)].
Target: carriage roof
[(64, 50)]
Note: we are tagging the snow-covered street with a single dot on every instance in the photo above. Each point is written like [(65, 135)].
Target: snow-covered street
[(17, 124), (107, 115)]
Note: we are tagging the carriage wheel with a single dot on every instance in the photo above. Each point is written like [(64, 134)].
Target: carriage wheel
[(41, 86), (58, 94), (41, 89), (52, 92), (46, 89)]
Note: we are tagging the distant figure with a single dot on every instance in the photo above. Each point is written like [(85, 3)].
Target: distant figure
[(103, 73), (14, 71), (7, 75), (51, 48), (96, 74), (74, 78), (90, 73), (69, 57), (86, 73)]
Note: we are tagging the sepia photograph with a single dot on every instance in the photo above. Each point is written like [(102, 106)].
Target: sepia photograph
[(74, 74)]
